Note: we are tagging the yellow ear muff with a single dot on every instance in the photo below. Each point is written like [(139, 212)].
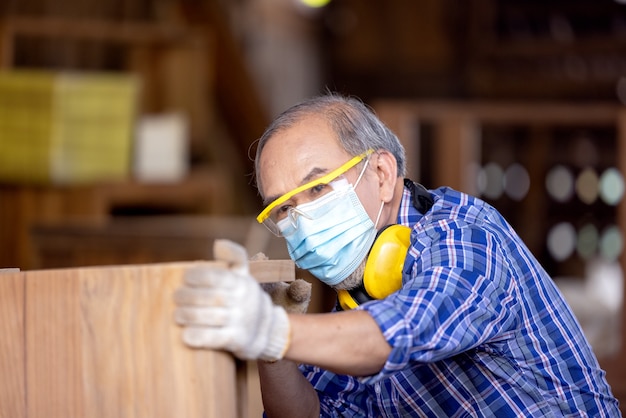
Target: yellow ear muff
[(346, 301), (383, 268)]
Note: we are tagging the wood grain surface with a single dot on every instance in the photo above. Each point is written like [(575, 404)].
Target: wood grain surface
[(101, 342), (12, 360)]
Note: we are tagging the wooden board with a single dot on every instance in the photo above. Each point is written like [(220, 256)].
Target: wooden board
[(12, 380), (101, 342)]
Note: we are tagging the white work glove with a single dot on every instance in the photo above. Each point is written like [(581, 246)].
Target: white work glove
[(226, 309)]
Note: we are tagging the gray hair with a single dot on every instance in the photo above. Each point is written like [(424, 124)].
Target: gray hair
[(357, 127)]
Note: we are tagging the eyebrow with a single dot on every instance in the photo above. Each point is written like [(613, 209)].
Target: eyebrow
[(312, 175)]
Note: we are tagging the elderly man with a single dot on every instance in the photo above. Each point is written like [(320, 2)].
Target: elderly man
[(472, 325)]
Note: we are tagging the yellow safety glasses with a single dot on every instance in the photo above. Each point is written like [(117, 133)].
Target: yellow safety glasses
[(270, 215)]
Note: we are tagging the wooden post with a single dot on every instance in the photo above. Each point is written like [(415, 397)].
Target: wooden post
[(403, 122), (457, 146), (6, 45)]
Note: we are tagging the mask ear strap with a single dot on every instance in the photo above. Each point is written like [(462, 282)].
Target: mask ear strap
[(380, 211), (356, 183)]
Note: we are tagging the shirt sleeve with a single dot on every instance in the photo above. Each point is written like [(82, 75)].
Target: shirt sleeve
[(340, 395), (457, 293)]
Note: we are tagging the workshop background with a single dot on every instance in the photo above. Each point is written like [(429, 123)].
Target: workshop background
[(127, 127)]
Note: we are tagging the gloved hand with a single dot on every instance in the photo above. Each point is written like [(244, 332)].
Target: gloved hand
[(225, 308), (293, 296)]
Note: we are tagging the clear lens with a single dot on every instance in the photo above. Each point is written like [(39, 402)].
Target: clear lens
[(272, 227), (287, 225), (283, 221)]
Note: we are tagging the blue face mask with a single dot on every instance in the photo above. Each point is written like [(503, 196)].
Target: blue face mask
[(331, 235)]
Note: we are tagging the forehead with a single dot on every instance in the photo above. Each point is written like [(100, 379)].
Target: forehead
[(292, 155)]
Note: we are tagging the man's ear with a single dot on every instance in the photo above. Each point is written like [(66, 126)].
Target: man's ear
[(387, 172)]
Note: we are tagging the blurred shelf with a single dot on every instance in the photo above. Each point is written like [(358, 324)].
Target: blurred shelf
[(22, 207)]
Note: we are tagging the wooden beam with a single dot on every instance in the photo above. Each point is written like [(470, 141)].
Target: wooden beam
[(506, 112), (94, 30)]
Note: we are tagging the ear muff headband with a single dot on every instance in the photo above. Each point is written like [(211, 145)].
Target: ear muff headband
[(345, 300)]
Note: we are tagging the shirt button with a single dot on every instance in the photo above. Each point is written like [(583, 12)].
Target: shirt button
[(377, 389)]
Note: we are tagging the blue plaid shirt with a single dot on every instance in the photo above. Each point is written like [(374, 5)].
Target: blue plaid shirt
[(478, 329)]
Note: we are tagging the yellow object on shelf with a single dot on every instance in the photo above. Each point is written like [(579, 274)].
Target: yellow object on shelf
[(66, 127)]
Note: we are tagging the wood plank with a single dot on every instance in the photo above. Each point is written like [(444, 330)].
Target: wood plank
[(12, 381), (250, 403), (205, 190), (267, 271), (101, 342), (53, 345)]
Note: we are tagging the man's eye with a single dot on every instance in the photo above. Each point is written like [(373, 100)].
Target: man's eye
[(320, 188), (281, 211)]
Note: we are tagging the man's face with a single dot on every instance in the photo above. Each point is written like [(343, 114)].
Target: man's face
[(305, 152)]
